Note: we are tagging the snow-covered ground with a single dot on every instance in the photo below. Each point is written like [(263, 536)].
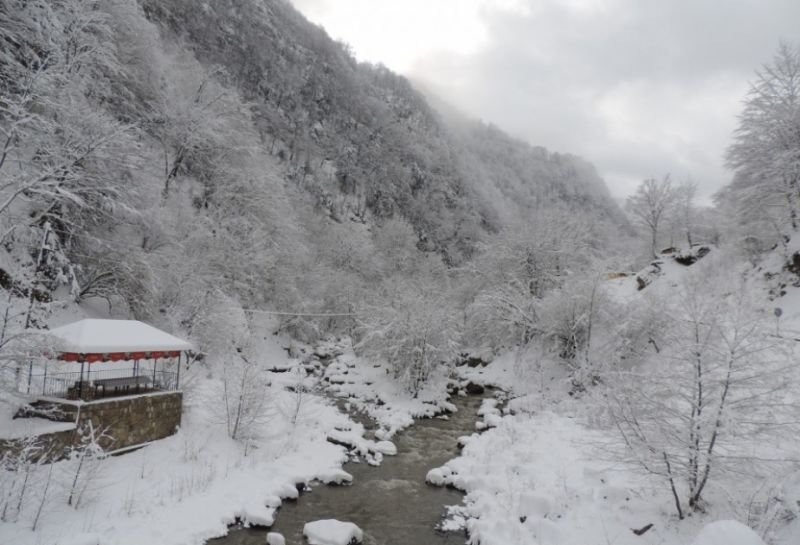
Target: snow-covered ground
[(543, 472), (539, 479), (541, 476), (15, 428), (189, 487), (536, 471)]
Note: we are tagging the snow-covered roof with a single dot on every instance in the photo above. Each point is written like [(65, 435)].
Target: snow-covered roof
[(95, 336)]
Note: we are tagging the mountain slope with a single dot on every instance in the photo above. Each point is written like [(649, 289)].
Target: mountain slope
[(361, 139)]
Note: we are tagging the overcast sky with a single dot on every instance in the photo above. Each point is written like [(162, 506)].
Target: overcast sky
[(638, 87)]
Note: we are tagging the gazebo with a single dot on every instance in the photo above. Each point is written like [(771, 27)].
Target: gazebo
[(99, 345)]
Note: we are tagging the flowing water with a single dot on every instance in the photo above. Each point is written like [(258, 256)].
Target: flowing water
[(391, 503)]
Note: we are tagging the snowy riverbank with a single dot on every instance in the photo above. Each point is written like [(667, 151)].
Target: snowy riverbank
[(189, 487), (543, 472)]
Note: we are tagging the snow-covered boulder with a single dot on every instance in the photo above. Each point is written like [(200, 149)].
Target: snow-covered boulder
[(488, 406), (650, 273), (335, 476), (727, 532), (464, 440), (288, 491), (439, 476), (332, 532), (385, 447), (258, 515), (448, 407), (274, 538), (689, 256)]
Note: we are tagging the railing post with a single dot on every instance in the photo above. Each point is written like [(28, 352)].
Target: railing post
[(30, 372)]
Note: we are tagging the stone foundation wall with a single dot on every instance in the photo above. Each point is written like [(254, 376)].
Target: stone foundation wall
[(119, 423)]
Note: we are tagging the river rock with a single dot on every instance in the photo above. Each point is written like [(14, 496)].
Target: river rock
[(332, 532), (439, 476), (335, 476), (474, 389), (274, 538), (385, 447), (464, 440)]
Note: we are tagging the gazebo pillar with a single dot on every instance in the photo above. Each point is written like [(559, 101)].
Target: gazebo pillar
[(178, 376), (80, 383)]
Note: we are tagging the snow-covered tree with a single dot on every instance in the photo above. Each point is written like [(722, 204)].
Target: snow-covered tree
[(727, 375), (415, 332), (57, 149), (684, 210), (518, 268), (245, 394), (570, 318), (765, 153), (650, 205)]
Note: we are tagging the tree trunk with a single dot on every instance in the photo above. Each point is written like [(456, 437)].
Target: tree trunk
[(672, 486)]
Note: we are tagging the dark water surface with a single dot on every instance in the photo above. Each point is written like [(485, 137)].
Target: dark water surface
[(390, 503)]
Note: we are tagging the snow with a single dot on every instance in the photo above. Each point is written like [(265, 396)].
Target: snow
[(257, 515), (188, 488), (94, 335), (26, 427), (538, 480), (274, 538), (727, 532), (83, 539), (335, 476), (534, 476), (438, 476), (332, 532), (15, 428), (386, 448), (370, 387), (543, 469), (354, 440)]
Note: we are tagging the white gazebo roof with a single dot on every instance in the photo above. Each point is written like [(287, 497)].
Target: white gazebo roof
[(95, 336)]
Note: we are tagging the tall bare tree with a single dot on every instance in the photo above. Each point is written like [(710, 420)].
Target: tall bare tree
[(650, 204), (685, 195), (727, 374)]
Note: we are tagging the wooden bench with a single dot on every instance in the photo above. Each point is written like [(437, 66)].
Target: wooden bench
[(122, 383)]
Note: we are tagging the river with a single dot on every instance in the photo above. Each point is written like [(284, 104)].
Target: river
[(391, 503)]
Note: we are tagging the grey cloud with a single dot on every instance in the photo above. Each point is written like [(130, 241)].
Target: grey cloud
[(640, 89)]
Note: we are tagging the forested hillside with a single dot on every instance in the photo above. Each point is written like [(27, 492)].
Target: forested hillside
[(183, 162)]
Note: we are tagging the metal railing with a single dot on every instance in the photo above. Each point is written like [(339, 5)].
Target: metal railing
[(69, 385)]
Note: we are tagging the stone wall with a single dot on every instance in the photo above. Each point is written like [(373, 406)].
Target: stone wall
[(124, 422)]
